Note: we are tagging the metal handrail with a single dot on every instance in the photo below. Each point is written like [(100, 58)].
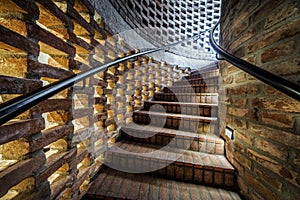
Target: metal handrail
[(18, 105), (287, 87)]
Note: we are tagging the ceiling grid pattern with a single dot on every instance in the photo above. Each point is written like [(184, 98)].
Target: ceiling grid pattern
[(164, 22)]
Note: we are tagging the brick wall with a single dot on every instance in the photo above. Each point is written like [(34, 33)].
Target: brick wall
[(266, 144), (54, 149)]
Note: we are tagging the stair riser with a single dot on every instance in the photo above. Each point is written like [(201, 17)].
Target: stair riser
[(186, 98), (212, 80), (183, 124), (207, 111), (196, 174), (192, 144), (196, 89)]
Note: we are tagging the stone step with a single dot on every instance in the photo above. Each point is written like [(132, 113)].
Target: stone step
[(178, 164), (202, 88), (113, 184), (191, 123), (198, 81), (187, 97), (202, 109), (209, 143)]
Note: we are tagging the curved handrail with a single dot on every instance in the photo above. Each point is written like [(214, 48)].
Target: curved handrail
[(289, 88), (18, 105)]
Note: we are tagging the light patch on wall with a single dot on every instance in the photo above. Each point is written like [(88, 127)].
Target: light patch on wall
[(43, 58)]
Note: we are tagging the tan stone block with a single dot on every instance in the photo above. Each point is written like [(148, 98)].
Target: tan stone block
[(285, 67), (281, 120), (245, 137), (285, 31), (276, 135), (15, 66), (59, 61), (60, 117), (279, 51), (240, 77), (243, 160), (264, 160), (15, 150), (15, 25), (268, 178), (240, 123), (249, 89), (242, 185), (239, 101), (259, 187), (241, 112), (278, 104), (277, 16), (273, 149)]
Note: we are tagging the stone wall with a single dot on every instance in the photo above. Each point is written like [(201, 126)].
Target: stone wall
[(266, 123), (54, 149)]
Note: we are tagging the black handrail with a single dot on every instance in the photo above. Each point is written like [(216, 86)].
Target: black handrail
[(289, 88), (18, 105)]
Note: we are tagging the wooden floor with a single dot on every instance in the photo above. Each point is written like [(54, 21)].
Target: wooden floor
[(112, 184)]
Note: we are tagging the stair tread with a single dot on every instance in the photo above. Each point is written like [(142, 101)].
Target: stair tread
[(115, 184), (182, 103), (185, 157), (195, 117), (166, 131)]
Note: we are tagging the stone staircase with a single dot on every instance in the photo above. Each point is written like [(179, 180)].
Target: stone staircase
[(172, 150)]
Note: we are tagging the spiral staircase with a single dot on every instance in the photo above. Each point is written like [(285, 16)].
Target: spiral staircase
[(172, 150)]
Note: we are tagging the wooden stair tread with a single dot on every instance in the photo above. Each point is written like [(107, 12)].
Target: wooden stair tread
[(113, 184), (184, 157)]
